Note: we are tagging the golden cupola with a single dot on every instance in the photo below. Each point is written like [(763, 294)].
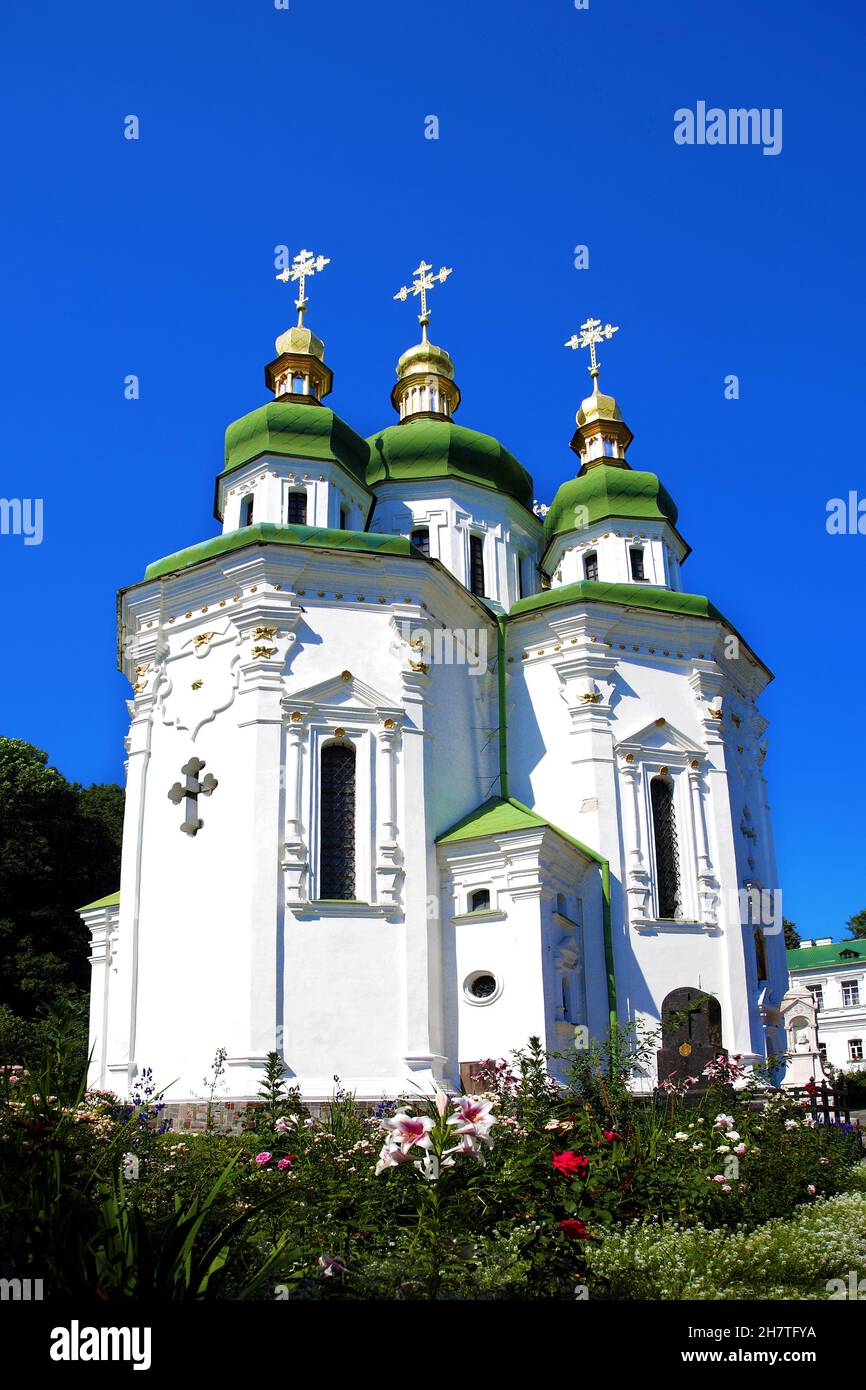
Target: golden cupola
[(602, 436), (299, 371), (425, 383)]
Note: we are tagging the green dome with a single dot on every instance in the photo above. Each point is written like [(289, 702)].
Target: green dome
[(605, 491), (424, 448), (295, 430)]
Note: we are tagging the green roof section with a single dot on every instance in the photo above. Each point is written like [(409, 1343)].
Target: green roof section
[(424, 448), (495, 817), (606, 491), (499, 815), (631, 595), (268, 533), (852, 952), (112, 900), (295, 430)]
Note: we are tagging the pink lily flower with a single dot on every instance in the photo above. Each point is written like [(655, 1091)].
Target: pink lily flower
[(409, 1130), (390, 1157)]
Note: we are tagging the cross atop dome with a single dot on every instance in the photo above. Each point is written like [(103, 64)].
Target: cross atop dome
[(590, 334), (423, 282), (304, 265)]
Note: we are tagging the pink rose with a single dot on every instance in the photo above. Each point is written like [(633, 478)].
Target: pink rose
[(263, 1158)]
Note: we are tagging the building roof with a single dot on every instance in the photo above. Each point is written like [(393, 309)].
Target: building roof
[(608, 490), (422, 448), (499, 815), (851, 952), (112, 900), (295, 430), (269, 533), (634, 595)]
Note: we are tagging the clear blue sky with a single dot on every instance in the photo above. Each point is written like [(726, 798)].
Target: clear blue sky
[(262, 126)]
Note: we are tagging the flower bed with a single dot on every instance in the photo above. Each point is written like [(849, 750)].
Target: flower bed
[(531, 1190)]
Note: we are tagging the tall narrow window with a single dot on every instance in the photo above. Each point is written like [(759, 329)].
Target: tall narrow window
[(476, 565), (590, 566), (637, 567), (761, 954), (337, 822), (247, 506), (850, 994), (667, 858), (521, 583), (343, 519), (297, 509), (421, 539)]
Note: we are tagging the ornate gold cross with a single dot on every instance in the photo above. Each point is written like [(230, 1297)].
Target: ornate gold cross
[(423, 282), (305, 264), (591, 333)]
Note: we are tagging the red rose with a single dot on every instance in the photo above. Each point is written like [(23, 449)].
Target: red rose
[(574, 1229), (570, 1165), (611, 1135)]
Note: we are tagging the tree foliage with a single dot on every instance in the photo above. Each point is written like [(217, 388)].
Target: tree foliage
[(59, 848), (857, 924)]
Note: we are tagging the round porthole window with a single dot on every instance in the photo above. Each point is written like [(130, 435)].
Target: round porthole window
[(481, 987)]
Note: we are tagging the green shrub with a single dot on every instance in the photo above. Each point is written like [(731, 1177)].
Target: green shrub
[(781, 1259)]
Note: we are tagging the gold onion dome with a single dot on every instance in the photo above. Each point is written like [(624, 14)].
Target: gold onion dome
[(425, 357), (299, 339), (598, 407)]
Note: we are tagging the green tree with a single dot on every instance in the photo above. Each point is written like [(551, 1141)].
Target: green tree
[(59, 848), (857, 924), (792, 936)]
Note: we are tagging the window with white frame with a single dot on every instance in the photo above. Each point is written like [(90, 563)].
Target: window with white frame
[(297, 508), (817, 993), (850, 994), (666, 850), (337, 822), (855, 1049)]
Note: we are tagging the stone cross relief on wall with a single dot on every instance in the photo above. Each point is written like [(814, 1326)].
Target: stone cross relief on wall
[(189, 792)]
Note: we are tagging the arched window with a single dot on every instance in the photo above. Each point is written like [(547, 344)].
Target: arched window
[(590, 566), (343, 519), (420, 538), (665, 837), (637, 565), (247, 505), (561, 905), (337, 822), (479, 901), (297, 509)]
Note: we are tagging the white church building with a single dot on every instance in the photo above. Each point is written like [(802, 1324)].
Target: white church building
[(416, 772)]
